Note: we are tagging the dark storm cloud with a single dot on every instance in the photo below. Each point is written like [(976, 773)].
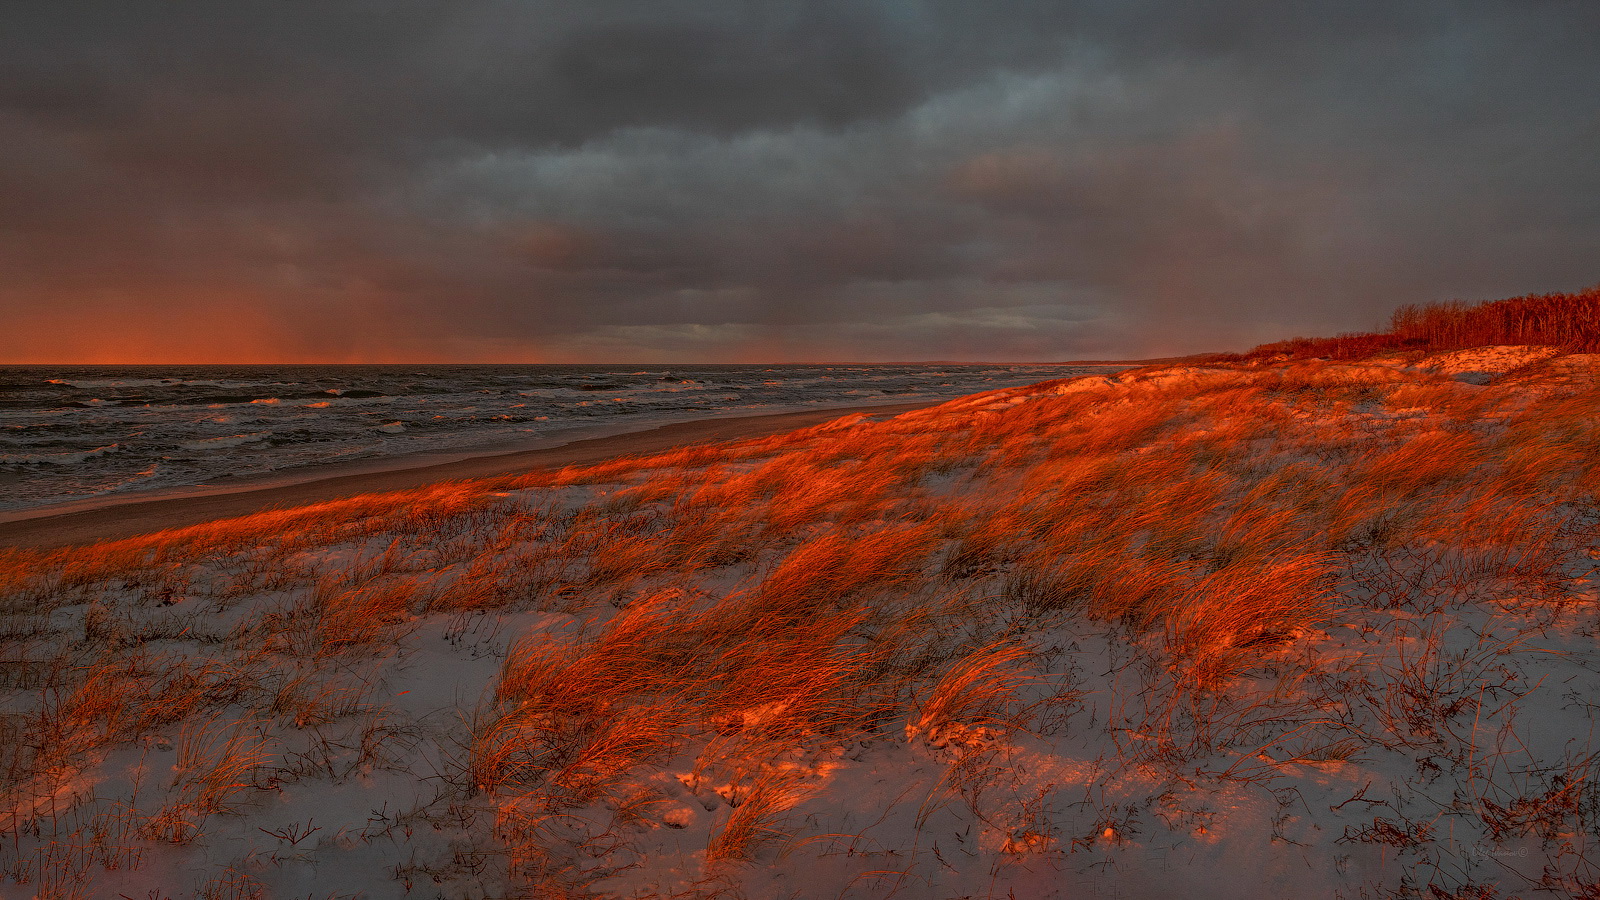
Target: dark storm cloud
[(900, 179)]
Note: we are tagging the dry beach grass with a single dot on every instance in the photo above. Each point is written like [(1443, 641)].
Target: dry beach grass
[(1263, 627)]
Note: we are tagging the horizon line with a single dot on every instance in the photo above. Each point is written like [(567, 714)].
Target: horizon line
[(914, 362)]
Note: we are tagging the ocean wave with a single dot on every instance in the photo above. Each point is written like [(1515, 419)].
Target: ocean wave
[(345, 393), (242, 399), (221, 399), (86, 383), (230, 440), (55, 459), (186, 425)]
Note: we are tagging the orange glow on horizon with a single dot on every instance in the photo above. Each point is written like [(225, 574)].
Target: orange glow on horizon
[(234, 328)]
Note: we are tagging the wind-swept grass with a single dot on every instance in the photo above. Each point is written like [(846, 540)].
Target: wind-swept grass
[(670, 667)]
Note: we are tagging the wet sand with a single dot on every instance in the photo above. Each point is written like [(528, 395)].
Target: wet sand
[(113, 518)]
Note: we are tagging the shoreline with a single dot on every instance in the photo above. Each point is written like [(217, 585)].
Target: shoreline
[(114, 518)]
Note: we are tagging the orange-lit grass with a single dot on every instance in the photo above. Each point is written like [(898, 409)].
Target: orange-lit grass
[(756, 820), (83, 710), (748, 676), (1422, 463), (796, 593), (1240, 611), (972, 692), (214, 765), (781, 651), (360, 617)]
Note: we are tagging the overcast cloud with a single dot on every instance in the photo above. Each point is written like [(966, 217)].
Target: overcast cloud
[(677, 181)]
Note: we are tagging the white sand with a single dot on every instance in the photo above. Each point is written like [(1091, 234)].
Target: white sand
[(1438, 730)]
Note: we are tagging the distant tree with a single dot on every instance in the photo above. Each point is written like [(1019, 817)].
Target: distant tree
[(1569, 321)]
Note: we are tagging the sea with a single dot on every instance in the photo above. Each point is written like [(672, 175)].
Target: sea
[(75, 433)]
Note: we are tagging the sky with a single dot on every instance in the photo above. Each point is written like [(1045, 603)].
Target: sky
[(751, 181)]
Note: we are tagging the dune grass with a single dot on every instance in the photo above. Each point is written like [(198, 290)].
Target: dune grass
[(1038, 630)]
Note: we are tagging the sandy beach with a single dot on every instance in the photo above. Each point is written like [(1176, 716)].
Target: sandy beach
[(800, 451), (1245, 629), (115, 517)]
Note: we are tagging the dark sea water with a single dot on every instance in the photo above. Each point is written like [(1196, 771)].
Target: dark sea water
[(75, 432)]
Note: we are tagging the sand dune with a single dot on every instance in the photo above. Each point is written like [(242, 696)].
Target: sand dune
[(1293, 628)]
